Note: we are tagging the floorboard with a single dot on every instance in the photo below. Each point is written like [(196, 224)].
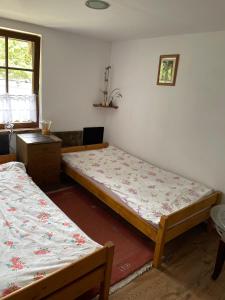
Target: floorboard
[(185, 275)]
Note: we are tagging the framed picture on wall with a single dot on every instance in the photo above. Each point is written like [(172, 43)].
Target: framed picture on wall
[(167, 72)]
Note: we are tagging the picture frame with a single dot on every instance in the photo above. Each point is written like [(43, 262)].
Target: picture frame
[(167, 72)]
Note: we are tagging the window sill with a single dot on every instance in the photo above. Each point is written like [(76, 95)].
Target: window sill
[(21, 130)]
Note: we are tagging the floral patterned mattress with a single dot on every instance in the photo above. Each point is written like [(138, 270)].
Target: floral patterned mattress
[(150, 191), (36, 237)]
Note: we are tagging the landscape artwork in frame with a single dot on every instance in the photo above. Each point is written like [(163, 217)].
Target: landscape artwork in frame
[(167, 72)]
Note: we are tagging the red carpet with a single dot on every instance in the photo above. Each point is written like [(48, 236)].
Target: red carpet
[(132, 249)]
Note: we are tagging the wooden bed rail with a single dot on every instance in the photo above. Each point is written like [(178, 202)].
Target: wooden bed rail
[(179, 222), (205, 202), (84, 148), (73, 280), (7, 158)]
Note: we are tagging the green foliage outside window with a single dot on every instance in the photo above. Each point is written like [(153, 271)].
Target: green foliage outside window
[(19, 56)]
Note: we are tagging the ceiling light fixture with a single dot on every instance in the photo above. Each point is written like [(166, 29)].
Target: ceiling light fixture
[(97, 4)]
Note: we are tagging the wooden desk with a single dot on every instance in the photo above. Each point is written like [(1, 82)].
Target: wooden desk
[(41, 155)]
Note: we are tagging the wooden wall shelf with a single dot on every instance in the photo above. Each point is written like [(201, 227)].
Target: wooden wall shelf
[(100, 105)]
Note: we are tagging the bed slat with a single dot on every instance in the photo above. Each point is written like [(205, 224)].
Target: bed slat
[(186, 225), (188, 211)]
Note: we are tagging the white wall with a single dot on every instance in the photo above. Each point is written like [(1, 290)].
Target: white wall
[(72, 74), (179, 128)]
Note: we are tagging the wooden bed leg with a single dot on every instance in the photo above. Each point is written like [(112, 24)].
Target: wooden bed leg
[(105, 285), (209, 222), (160, 242)]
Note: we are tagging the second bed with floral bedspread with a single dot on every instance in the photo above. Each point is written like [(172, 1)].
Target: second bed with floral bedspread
[(150, 191)]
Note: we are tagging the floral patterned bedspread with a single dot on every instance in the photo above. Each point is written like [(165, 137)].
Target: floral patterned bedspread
[(148, 190), (36, 237)]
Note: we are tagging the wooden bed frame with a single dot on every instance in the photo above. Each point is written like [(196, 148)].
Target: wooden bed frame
[(170, 226), (7, 158), (73, 280)]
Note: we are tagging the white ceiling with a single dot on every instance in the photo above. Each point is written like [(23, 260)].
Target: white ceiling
[(125, 19)]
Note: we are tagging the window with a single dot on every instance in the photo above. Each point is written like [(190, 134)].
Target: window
[(19, 78)]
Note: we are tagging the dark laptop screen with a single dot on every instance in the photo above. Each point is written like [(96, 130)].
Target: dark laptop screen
[(93, 135)]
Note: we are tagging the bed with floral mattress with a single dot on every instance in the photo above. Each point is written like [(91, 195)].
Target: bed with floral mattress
[(142, 193), (42, 250)]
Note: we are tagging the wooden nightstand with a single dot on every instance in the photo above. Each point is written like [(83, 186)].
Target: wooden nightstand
[(41, 155)]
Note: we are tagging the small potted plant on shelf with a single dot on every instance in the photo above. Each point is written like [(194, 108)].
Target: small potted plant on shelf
[(114, 95), (109, 97)]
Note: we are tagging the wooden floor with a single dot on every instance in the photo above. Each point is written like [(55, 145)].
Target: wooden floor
[(186, 275)]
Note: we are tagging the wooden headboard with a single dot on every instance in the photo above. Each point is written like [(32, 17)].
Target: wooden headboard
[(84, 148), (70, 138), (7, 158)]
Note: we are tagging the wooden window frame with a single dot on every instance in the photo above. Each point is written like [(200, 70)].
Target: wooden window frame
[(35, 69)]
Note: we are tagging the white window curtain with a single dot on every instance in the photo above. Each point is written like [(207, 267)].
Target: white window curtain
[(17, 108)]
